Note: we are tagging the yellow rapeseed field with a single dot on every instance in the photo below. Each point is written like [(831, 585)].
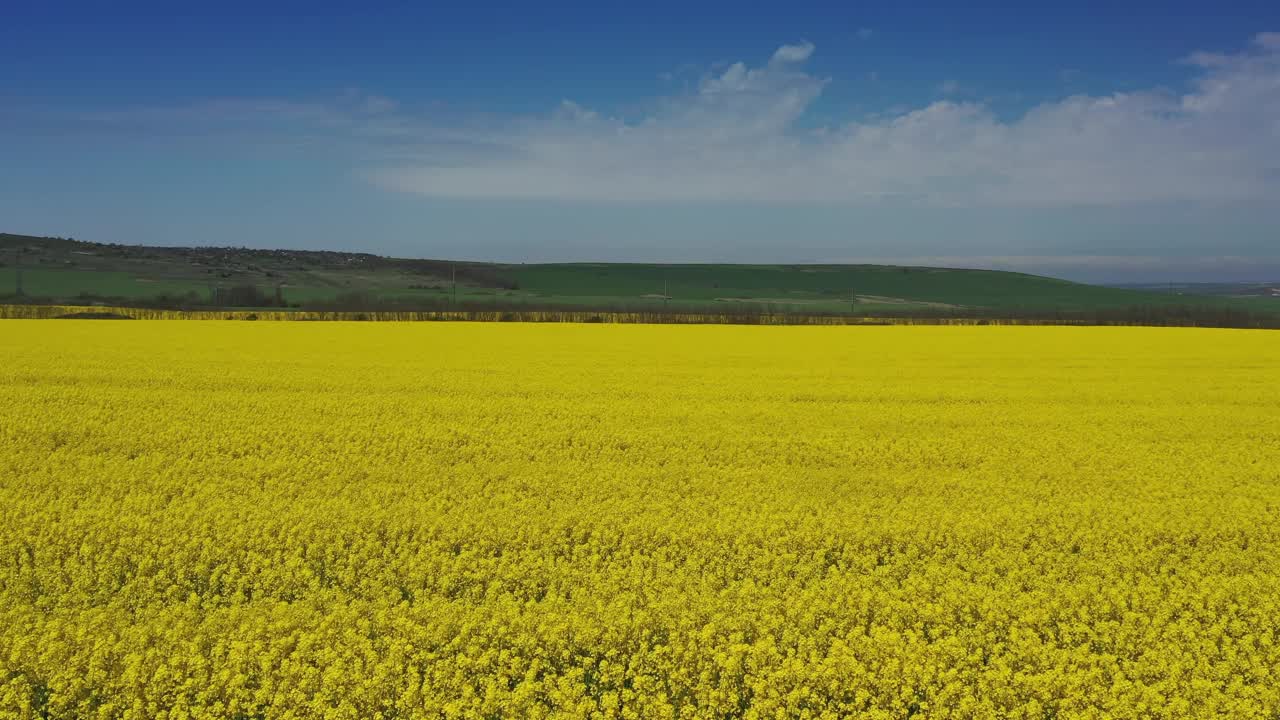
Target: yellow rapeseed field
[(353, 520)]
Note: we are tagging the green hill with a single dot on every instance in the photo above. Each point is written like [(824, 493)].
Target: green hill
[(66, 270)]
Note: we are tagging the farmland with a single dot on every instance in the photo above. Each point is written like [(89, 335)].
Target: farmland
[(207, 519), (70, 271)]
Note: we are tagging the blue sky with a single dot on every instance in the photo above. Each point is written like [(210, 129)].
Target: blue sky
[(1079, 139)]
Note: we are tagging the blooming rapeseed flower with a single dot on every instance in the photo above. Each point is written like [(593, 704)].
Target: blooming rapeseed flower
[(298, 520)]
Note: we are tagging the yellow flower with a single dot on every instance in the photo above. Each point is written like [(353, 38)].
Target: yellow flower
[(421, 520)]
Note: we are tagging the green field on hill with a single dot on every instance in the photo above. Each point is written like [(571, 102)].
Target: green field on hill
[(64, 270)]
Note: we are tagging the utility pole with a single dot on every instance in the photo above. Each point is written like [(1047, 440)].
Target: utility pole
[(453, 272), (853, 301), (666, 290)]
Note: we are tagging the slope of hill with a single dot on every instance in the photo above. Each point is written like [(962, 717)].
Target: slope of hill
[(66, 270)]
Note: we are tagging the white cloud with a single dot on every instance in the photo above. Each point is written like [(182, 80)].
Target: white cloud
[(378, 105), (1268, 40), (793, 53), (949, 87), (736, 137), (739, 135)]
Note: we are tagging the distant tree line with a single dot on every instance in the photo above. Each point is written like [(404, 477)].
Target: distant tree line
[(361, 305), (643, 316)]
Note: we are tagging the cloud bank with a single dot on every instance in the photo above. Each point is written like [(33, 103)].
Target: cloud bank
[(739, 137)]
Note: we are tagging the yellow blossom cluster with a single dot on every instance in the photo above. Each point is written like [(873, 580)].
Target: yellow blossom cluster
[(204, 519)]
